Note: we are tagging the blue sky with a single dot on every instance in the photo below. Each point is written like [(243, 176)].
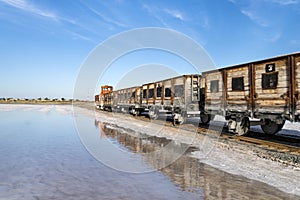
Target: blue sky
[(44, 43)]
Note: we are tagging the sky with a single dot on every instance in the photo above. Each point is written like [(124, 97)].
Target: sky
[(45, 43)]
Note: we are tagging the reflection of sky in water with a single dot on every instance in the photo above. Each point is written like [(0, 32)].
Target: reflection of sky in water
[(42, 157)]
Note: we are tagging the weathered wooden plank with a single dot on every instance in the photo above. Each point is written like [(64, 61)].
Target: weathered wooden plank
[(238, 73), (273, 92), (240, 68), (178, 81), (271, 104), (235, 102), (151, 86), (266, 96), (237, 97)]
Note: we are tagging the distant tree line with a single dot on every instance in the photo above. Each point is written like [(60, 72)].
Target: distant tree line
[(38, 99)]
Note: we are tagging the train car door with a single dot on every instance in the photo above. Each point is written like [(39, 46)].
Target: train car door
[(237, 89)]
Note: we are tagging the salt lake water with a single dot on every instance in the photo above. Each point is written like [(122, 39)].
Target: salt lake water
[(42, 157)]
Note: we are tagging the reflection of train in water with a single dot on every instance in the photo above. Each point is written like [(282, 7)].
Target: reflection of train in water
[(266, 90), (188, 173)]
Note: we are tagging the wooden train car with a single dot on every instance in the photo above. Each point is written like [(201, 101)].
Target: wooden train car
[(126, 99), (176, 98), (267, 90)]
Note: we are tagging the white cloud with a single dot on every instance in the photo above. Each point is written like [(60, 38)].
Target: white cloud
[(257, 11), (157, 13), (254, 17), (79, 36), (174, 13), (153, 12), (33, 9), (107, 19), (26, 6), (283, 2)]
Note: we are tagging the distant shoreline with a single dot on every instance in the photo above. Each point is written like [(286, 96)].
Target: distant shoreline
[(40, 102)]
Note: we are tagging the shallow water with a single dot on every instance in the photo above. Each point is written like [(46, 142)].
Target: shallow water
[(42, 157)]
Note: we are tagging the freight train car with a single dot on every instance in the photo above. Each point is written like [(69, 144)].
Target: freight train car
[(266, 91), (176, 98), (120, 100), (126, 99)]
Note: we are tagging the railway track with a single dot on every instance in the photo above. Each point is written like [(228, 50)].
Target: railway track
[(278, 148)]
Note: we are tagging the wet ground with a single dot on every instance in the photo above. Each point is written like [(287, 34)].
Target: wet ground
[(42, 157)]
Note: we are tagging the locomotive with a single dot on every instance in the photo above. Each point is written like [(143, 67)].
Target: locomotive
[(264, 92)]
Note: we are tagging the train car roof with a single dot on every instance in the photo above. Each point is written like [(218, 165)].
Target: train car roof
[(251, 62), (172, 78)]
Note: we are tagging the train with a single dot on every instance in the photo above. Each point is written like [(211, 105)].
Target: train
[(264, 92)]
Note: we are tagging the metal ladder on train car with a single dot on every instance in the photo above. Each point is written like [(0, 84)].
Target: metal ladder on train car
[(195, 88)]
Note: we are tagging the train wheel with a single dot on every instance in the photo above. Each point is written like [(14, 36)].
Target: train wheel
[(271, 127), (138, 113), (281, 125), (243, 127), (135, 112), (205, 118), (178, 120)]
